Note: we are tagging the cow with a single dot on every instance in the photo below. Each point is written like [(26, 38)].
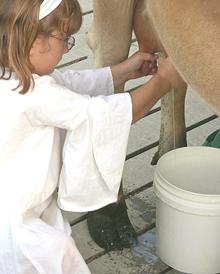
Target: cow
[(187, 31)]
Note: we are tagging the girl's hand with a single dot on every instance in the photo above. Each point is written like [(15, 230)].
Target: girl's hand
[(145, 96), (140, 64)]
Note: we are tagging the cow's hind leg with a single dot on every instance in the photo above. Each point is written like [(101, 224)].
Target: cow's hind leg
[(110, 226), (172, 129)]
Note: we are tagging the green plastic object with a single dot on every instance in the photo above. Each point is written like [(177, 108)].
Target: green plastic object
[(213, 140)]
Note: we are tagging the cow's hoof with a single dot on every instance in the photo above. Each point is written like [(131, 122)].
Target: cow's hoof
[(110, 227), (103, 231)]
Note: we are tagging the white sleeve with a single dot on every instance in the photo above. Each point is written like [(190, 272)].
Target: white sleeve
[(92, 82), (94, 155), (95, 146)]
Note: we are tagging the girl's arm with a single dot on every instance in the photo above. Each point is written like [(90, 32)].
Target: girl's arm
[(147, 95), (92, 82), (102, 81), (138, 65)]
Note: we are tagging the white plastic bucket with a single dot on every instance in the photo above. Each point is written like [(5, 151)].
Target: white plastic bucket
[(187, 186)]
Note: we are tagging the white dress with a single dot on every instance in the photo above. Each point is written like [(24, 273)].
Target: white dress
[(34, 236)]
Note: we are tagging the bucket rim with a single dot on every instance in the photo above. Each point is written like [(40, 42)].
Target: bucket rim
[(212, 198), (184, 191), (184, 204)]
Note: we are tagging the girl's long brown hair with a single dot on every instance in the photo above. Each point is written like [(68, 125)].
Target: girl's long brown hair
[(19, 27)]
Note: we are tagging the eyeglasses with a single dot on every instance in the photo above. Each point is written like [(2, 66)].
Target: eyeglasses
[(70, 41)]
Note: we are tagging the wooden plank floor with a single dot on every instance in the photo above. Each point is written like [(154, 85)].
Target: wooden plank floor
[(137, 176)]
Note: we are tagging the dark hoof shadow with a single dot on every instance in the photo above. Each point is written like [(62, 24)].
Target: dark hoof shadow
[(155, 159), (111, 228)]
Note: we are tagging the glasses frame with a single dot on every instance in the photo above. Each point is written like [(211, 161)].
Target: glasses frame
[(70, 41)]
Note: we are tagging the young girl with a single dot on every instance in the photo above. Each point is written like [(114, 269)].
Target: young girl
[(37, 101)]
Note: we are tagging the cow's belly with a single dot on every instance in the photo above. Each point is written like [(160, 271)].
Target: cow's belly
[(190, 33)]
